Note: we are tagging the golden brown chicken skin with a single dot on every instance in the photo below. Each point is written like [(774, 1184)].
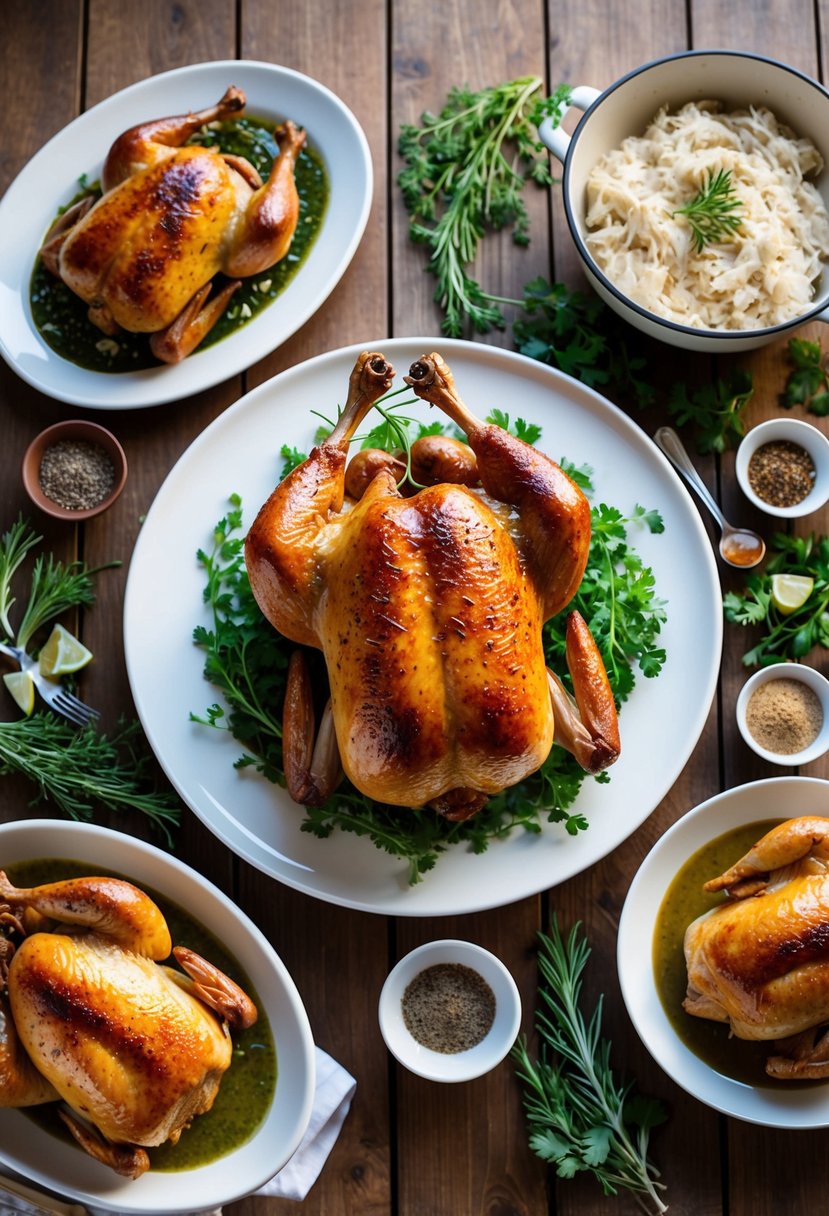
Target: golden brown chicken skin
[(171, 218), (428, 608), (760, 961), (135, 1049)]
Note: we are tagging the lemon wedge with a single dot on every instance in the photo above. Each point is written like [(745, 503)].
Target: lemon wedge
[(21, 686), (62, 654), (790, 591)]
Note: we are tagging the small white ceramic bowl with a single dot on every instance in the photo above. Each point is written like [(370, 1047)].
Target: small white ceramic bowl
[(460, 1065), (795, 431), (60, 1166), (786, 671), (770, 1105), (736, 78)]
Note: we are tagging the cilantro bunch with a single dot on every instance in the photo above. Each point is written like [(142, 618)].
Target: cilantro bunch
[(784, 636), (246, 660)]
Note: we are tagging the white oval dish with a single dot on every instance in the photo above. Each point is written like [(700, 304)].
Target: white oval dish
[(459, 1065), (805, 435), (787, 671), (50, 180), (775, 798), (59, 1165), (239, 453)]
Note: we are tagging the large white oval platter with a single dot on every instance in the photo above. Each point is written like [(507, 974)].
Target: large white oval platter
[(50, 180), (239, 453), (57, 1163)]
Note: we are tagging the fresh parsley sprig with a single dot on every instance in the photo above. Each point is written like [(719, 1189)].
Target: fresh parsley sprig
[(808, 383), (716, 411), (465, 170), (580, 335), (712, 213), (792, 635), (580, 1117)]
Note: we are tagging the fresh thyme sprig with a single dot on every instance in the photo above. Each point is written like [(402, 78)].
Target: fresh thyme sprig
[(79, 770), (465, 170), (580, 1117), (712, 212)]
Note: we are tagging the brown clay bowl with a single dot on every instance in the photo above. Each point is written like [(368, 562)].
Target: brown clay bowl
[(79, 429)]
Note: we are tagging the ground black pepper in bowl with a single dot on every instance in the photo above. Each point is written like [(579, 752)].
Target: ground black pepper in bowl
[(76, 474), (448, 1007), (781, 473), (74, 470)]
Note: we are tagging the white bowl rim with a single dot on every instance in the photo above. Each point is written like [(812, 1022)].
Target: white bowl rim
[(188, 1198), (806, 435), (717, 335), (786, 671), (435, 1065), (766, 1107)]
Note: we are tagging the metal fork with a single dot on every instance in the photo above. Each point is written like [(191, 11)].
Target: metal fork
[(54, 695)]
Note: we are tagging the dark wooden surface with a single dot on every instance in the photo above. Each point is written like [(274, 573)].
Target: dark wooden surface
[(410, 1147)]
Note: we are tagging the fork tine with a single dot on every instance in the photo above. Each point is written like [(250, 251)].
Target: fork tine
[(79, 705), (80, 716)]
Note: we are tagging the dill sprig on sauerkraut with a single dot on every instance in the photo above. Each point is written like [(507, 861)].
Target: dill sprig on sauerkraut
[(761, 274)]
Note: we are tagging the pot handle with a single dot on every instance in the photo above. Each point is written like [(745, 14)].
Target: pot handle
[(556, 139), (823, 316)]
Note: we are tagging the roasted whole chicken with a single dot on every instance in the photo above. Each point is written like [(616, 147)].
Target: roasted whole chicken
[(428, 608), (760, 961), (171, 217), (132, 1050)]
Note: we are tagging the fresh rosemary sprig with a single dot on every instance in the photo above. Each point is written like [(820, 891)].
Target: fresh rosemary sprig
[(79, 770), (55, 586), (465, 170), (580, 1117), (711, 213)]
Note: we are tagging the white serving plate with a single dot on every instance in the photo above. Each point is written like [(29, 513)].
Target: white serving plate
[(50, 180), (775, 798), (51, 1162), (239, 452)]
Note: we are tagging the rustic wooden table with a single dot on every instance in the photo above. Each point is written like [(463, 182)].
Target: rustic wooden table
[(409, 1146)]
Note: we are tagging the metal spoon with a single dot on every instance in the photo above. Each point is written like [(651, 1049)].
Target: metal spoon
[(739, 547)]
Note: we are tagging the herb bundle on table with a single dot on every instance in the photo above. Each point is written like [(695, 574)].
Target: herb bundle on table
[(77, 770)]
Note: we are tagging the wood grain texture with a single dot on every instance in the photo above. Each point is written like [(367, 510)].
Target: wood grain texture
[(408, 1147), (435, 49)]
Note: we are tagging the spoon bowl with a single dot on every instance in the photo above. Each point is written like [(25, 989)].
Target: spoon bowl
[(739, 547)]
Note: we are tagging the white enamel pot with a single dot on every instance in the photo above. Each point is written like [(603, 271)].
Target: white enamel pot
[(737, 79)]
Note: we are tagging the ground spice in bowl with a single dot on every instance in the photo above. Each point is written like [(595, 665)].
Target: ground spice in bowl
[(781, 473), (448, 1007), (784, 716), (76, 474)]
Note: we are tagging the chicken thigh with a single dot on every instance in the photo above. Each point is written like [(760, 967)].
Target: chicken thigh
[(134, 1049), (170, 219), (760, 961), (428, 610)]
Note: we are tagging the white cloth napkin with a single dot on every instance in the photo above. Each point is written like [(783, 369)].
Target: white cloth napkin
[(332, 1100)]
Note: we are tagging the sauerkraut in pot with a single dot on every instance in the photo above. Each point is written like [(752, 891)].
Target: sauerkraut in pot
[(761, 275)]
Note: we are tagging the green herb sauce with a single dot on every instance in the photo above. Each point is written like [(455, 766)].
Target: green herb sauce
[(684, 901), (248, 1085), (60, 315)]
